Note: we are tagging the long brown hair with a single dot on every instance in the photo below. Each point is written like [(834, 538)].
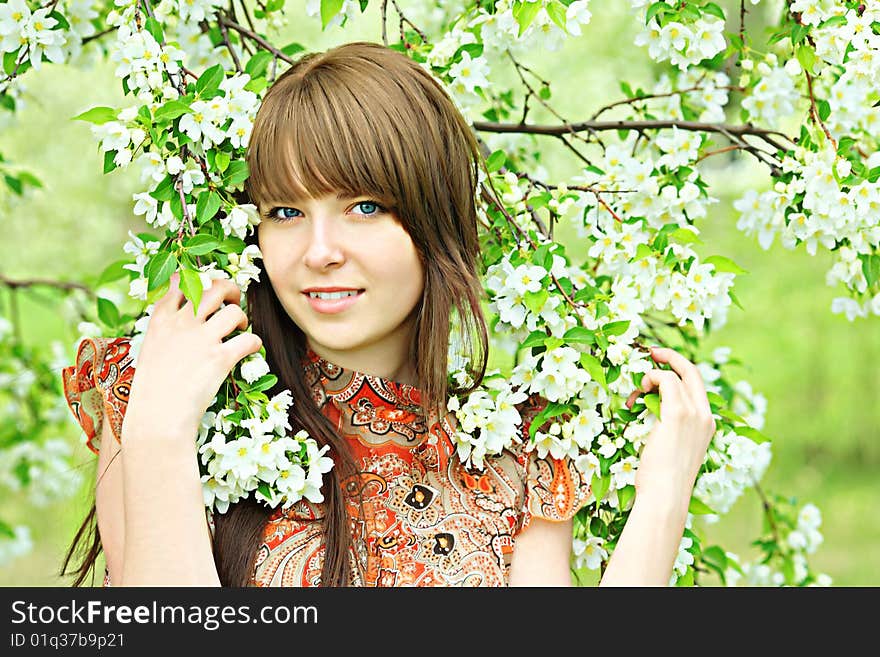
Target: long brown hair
[(364, 119)]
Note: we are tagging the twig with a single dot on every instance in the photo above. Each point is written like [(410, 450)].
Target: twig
[(733, 132), (225, 35), (404, 19), (630, 101), (32, 282), (254, 36)]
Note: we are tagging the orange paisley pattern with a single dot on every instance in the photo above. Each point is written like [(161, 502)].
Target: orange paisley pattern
[(424, 519)]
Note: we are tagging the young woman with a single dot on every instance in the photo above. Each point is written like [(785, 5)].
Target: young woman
[(365, 174)]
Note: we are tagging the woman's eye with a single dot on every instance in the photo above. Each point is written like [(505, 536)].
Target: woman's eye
[(369, 208), (282, 214)]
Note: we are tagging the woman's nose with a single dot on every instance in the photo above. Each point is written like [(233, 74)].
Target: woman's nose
[(325, 246)]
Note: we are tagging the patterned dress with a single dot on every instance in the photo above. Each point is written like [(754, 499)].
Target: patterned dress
[(425, 519)]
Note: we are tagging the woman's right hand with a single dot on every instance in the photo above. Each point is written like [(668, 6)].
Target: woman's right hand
[(183, 361)]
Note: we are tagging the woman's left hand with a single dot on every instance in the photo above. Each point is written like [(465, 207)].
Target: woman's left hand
[(676, 446)]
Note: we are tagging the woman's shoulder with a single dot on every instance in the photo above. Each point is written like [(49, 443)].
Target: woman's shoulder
[(97, 385)]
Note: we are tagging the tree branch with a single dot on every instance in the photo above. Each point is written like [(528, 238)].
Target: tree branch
[(222, 20), (32, 282)]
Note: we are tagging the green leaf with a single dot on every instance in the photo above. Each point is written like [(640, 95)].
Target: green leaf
[(655, 9), (687, 12), (798, 33), (164, 190), (108, 312), (257, 64), (687, 579), (553, 343), (594, 368), (221, 160), (652, 401), (191, 286), (29, 179), (834, 20), (112, 272), (535, 300), (207, 206), (6, 530), (642, 251), (232, 245), (625, 496), (714, 10), (109, 164), (154, 27), (585, 293), (170, 111), (292, 48), (616, 328), (526, 14), (728, 414), (13, 183), (10, 59), (870, 267), (580, 334), (751, 433), (542, 255), (263, 383), (600, 486), (715, 557), (210, 80), (201, 244), (236, 174), (698, 507), (329, 9), (263, 488), (97, 115), (734, 299), (551, 410), (535, 338), (806, 56), (598, 527), (824, 108), (723, 264), (496, 160), (159, 269), (683, 236), (556, 11)]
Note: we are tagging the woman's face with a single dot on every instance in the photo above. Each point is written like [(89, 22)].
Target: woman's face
[(348, 275)]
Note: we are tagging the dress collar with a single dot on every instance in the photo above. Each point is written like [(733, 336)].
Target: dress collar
[(343, 386)]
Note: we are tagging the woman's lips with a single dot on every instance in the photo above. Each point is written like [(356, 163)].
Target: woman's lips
[(332, 306)]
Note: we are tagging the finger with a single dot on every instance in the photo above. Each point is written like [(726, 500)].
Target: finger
[(687, 371), (671, 391), (172, 299), (221, 291), (241, 346), (226, 320)]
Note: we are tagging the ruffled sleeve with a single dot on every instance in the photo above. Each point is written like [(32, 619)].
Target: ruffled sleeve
[(555, 489), (98, 385)]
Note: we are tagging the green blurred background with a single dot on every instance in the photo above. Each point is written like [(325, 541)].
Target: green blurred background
[(818, 371)]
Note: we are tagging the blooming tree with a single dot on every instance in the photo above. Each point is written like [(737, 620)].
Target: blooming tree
[(194, 72)]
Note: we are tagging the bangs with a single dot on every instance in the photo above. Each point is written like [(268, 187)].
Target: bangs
[(326, 136)]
